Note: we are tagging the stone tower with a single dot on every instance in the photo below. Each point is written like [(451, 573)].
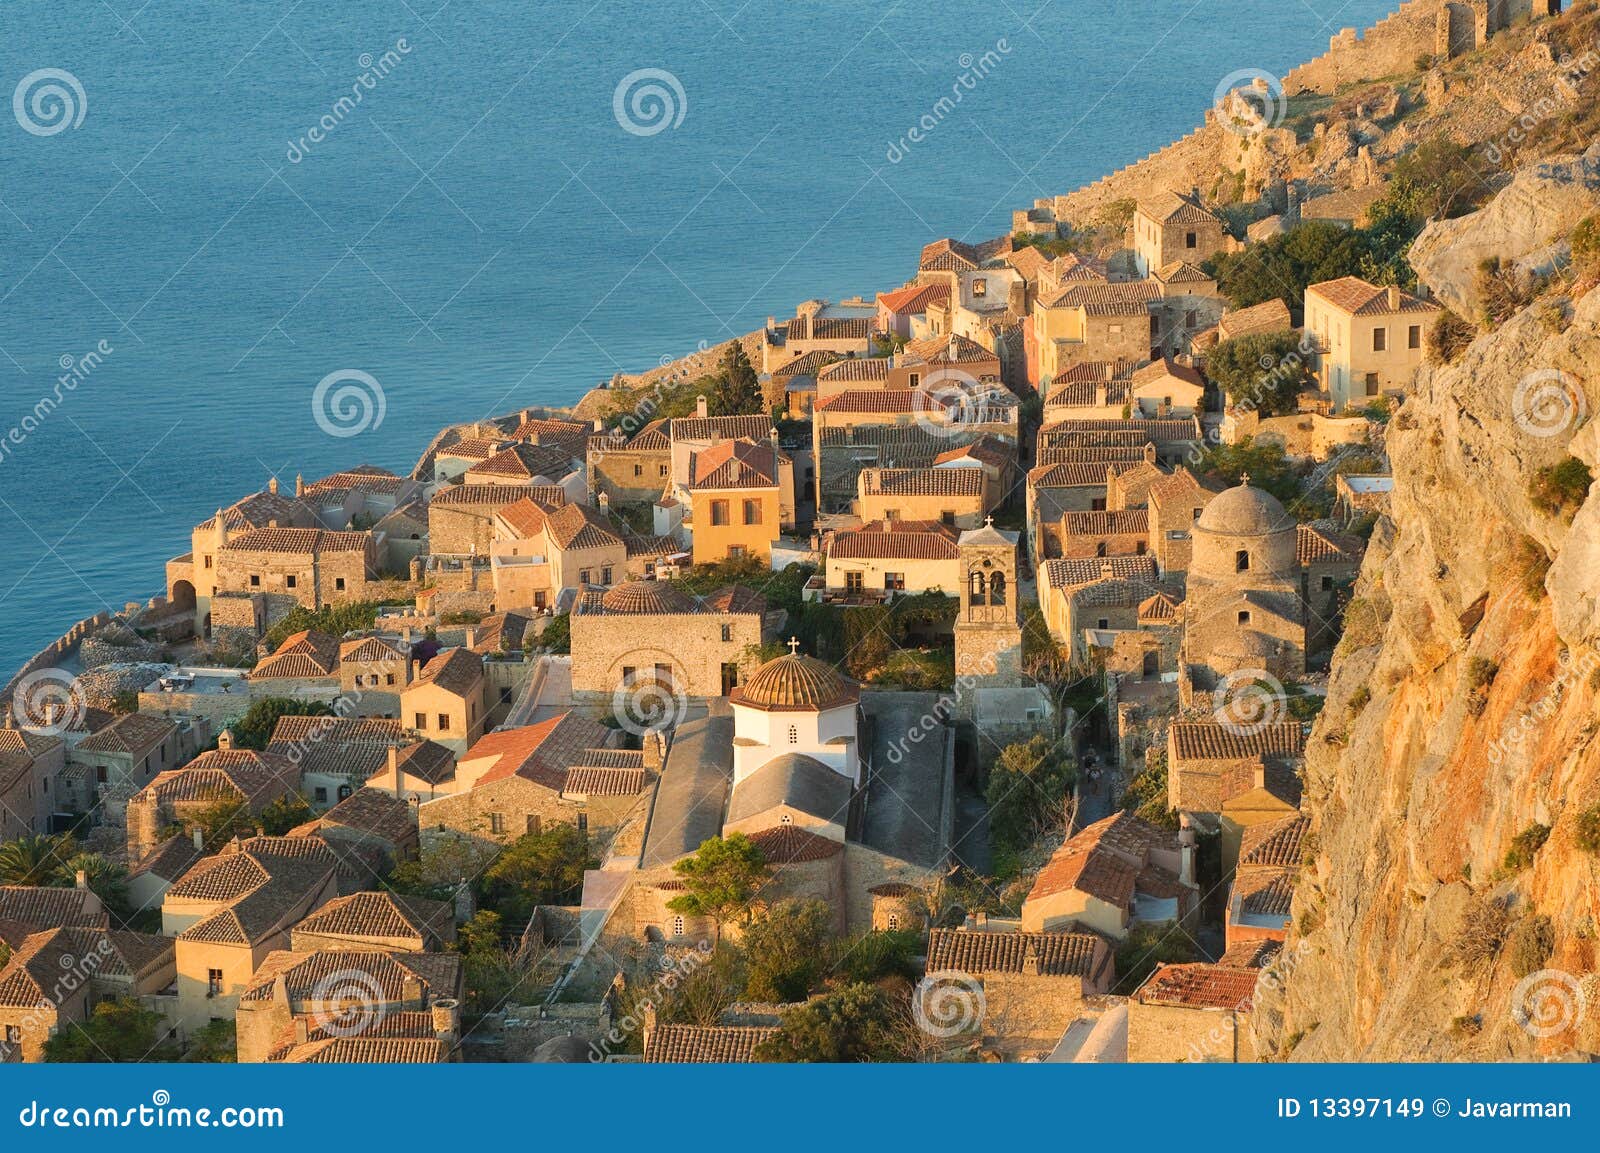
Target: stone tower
[(988, 637)]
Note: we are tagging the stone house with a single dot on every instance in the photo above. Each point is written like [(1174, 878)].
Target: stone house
[(1091, 322), (1369, 338), (1270, 856), (56, 977), (1267, 317), (451, 462), (232, 910), (887, 557), (335, 755), (312, 567), (29, 909), (1190, 303), (461, 517), (1229, 778), (1176, 226), (650, 630), (523, 465), (445, 701), (373, 671), (899, 310), (1175, 504), (1034, 984), (560, 771), (1113, 532), (868, 375), (950, 496), (538, 554), (1114, 874), (798, 380), (1130, 488), (845, 328), (841, 453), (192, 578), (408, 1006), (376, 922), (1359, 496), (734, 501), (632, 470), (359, 497), (124, 757), (1329, 561), (307, 657), (1091, 390), (1194, 1012), (1068, 609), (1173, 438), (370, 823), (418, 772), (1164, 388), (30, 765), (248, 778), (950, 361)]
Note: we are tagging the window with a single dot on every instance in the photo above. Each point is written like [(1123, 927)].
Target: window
[(208, 560), (1241, 561), (497, 823), (891, 514), (727, 633), (736, 551), (794, 735), (583, 822), (586, 576), (677, 926), (977, 588), (1097, 504), (1197, 513), (1372, 384), (894, 582), (444, 721), (338, 584), (288, 581), (388, 678), (1114, 329), (997, 589), (422, 721), (1244, 616), (1380, 339), (1103, 623), (1190, 240), (638, 470), (752, 512), (1189, 318), (322, 796), (255, 580), (719, 512), (605, 575), (661, 470), (786, 819), (915, 378), (947, 517), (1327, 583), (854, 581), (894, 922), (505, 696), (213, 982), (100, 774), (531, 824), (1414, 336), (980, 287), (13, 1034)]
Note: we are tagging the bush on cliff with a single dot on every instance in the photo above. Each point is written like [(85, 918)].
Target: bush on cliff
[(1560, 489)]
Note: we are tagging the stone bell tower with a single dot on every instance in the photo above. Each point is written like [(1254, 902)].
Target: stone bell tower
[(988, 637)]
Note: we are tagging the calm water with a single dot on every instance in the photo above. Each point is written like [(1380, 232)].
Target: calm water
[(480, 233)]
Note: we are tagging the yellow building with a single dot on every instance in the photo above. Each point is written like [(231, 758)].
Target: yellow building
[(445, 702), (950, 496), (888, 557), (1091, 321), (735, 506), (1369, 337), (1175, 226)]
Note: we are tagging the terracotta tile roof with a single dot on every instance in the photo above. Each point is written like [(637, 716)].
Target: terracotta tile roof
[(1184, 486), (1200, 986), (921, 482), (381, 916), (169, 860), (815, 326), (601, 782), (949, 255), (936, 350), (1356, 297), (736, 599), (979, 952), (547, 431), (302, 541), (650, 546), (1269, 316), (260, 881), (1092, 393), (896, 401), (987, 450), (1029, 261), (1264, 892), (1123, 298), (705, 1044), (736, 464), (496, 496), (1106, 522), (1275, 843), (1126, 456), (792, 845), (262, 510), (914, 298), (49, 908), (894, 540), (387, 972), (242, 773), (1151, 431), (1072, 266), (349, 745), (1071, 574), (578, 526), (135, 735), (1100, 874), (524, 518), (1173, 207), (524, 461), (1181, 272), (367, 1050), (1319, 543), (1257, 954), (856, 368), (1068, 474), (810, 364), (544, 753), (472, 448), (456, 670), (373, 813), (369, 650), (33, 975), (1158, 609), (1210, 740), (306, 654), (1163, 368), (364, 478), (711, 428)]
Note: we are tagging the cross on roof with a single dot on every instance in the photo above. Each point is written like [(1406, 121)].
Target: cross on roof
[(794, 646), (1244, 479), (988, 521)]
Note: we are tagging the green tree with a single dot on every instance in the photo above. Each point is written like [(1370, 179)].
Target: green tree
[(105, 878), (1147, 946), (543, 868), (1264, 369), (1440, 178), (118, 1031), (214, 1044), (1284, 265), (289, 811), (37, 859), (1586, 248), (1028, 788), (857, 1023), (1266, 464), (1146, 794), (722, 880), (254, 729), (737, 389), (787, 949), (702, 991), (875, 955)]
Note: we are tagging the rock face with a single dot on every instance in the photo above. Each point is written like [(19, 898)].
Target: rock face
[(1463, 710), (1527, 223)]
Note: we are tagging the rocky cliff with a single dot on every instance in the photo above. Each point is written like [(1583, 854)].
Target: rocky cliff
[(1450, 902)]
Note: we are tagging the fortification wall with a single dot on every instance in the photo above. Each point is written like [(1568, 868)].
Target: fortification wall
[(57, 652)]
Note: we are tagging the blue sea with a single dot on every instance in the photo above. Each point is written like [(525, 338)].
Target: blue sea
[(199, 217)]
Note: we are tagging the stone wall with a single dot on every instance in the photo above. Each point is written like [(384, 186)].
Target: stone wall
[(690, 644), (58, 651)]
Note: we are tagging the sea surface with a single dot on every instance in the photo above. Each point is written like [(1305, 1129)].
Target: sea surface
[(491, 226)]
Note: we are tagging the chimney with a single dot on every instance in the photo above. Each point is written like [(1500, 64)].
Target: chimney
[(954, 347), (647, 1024), (225, 741), (411, 991), (221, 530), (80, 880), (1194, 193), (465, 905), (655, 742), (772, 322), (299, 485), (599, 424), (1186, 843), (1394, 298), (11, 718), (300, 1031), (1107, 570), (394, 770), (472, 637), (1150, 453), (1030, 962), (199, 839), (280, 990), (272, 485), (700, 406), (447, 1020), (605, 500)]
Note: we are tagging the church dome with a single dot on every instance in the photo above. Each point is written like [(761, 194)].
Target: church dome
[(1244, 511), (795, 683), (646, 597)]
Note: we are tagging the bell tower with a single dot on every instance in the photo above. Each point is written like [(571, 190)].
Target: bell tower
[(988, 637)]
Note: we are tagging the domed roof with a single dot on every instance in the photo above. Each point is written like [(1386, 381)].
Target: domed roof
[(1246, 643), (1244, 511), (794, 683), (640, 597)]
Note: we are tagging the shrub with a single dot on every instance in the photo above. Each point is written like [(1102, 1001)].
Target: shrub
[(1587, 834), (1559, 489), (1530, 944), (1448, 338), (1469, 1026), (1525, 846), (1532, 565), (1480, 676), (1483, 930), (1360, 699), (1145, 947), (1501, 292), (1586, 248), (1553, 316)]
